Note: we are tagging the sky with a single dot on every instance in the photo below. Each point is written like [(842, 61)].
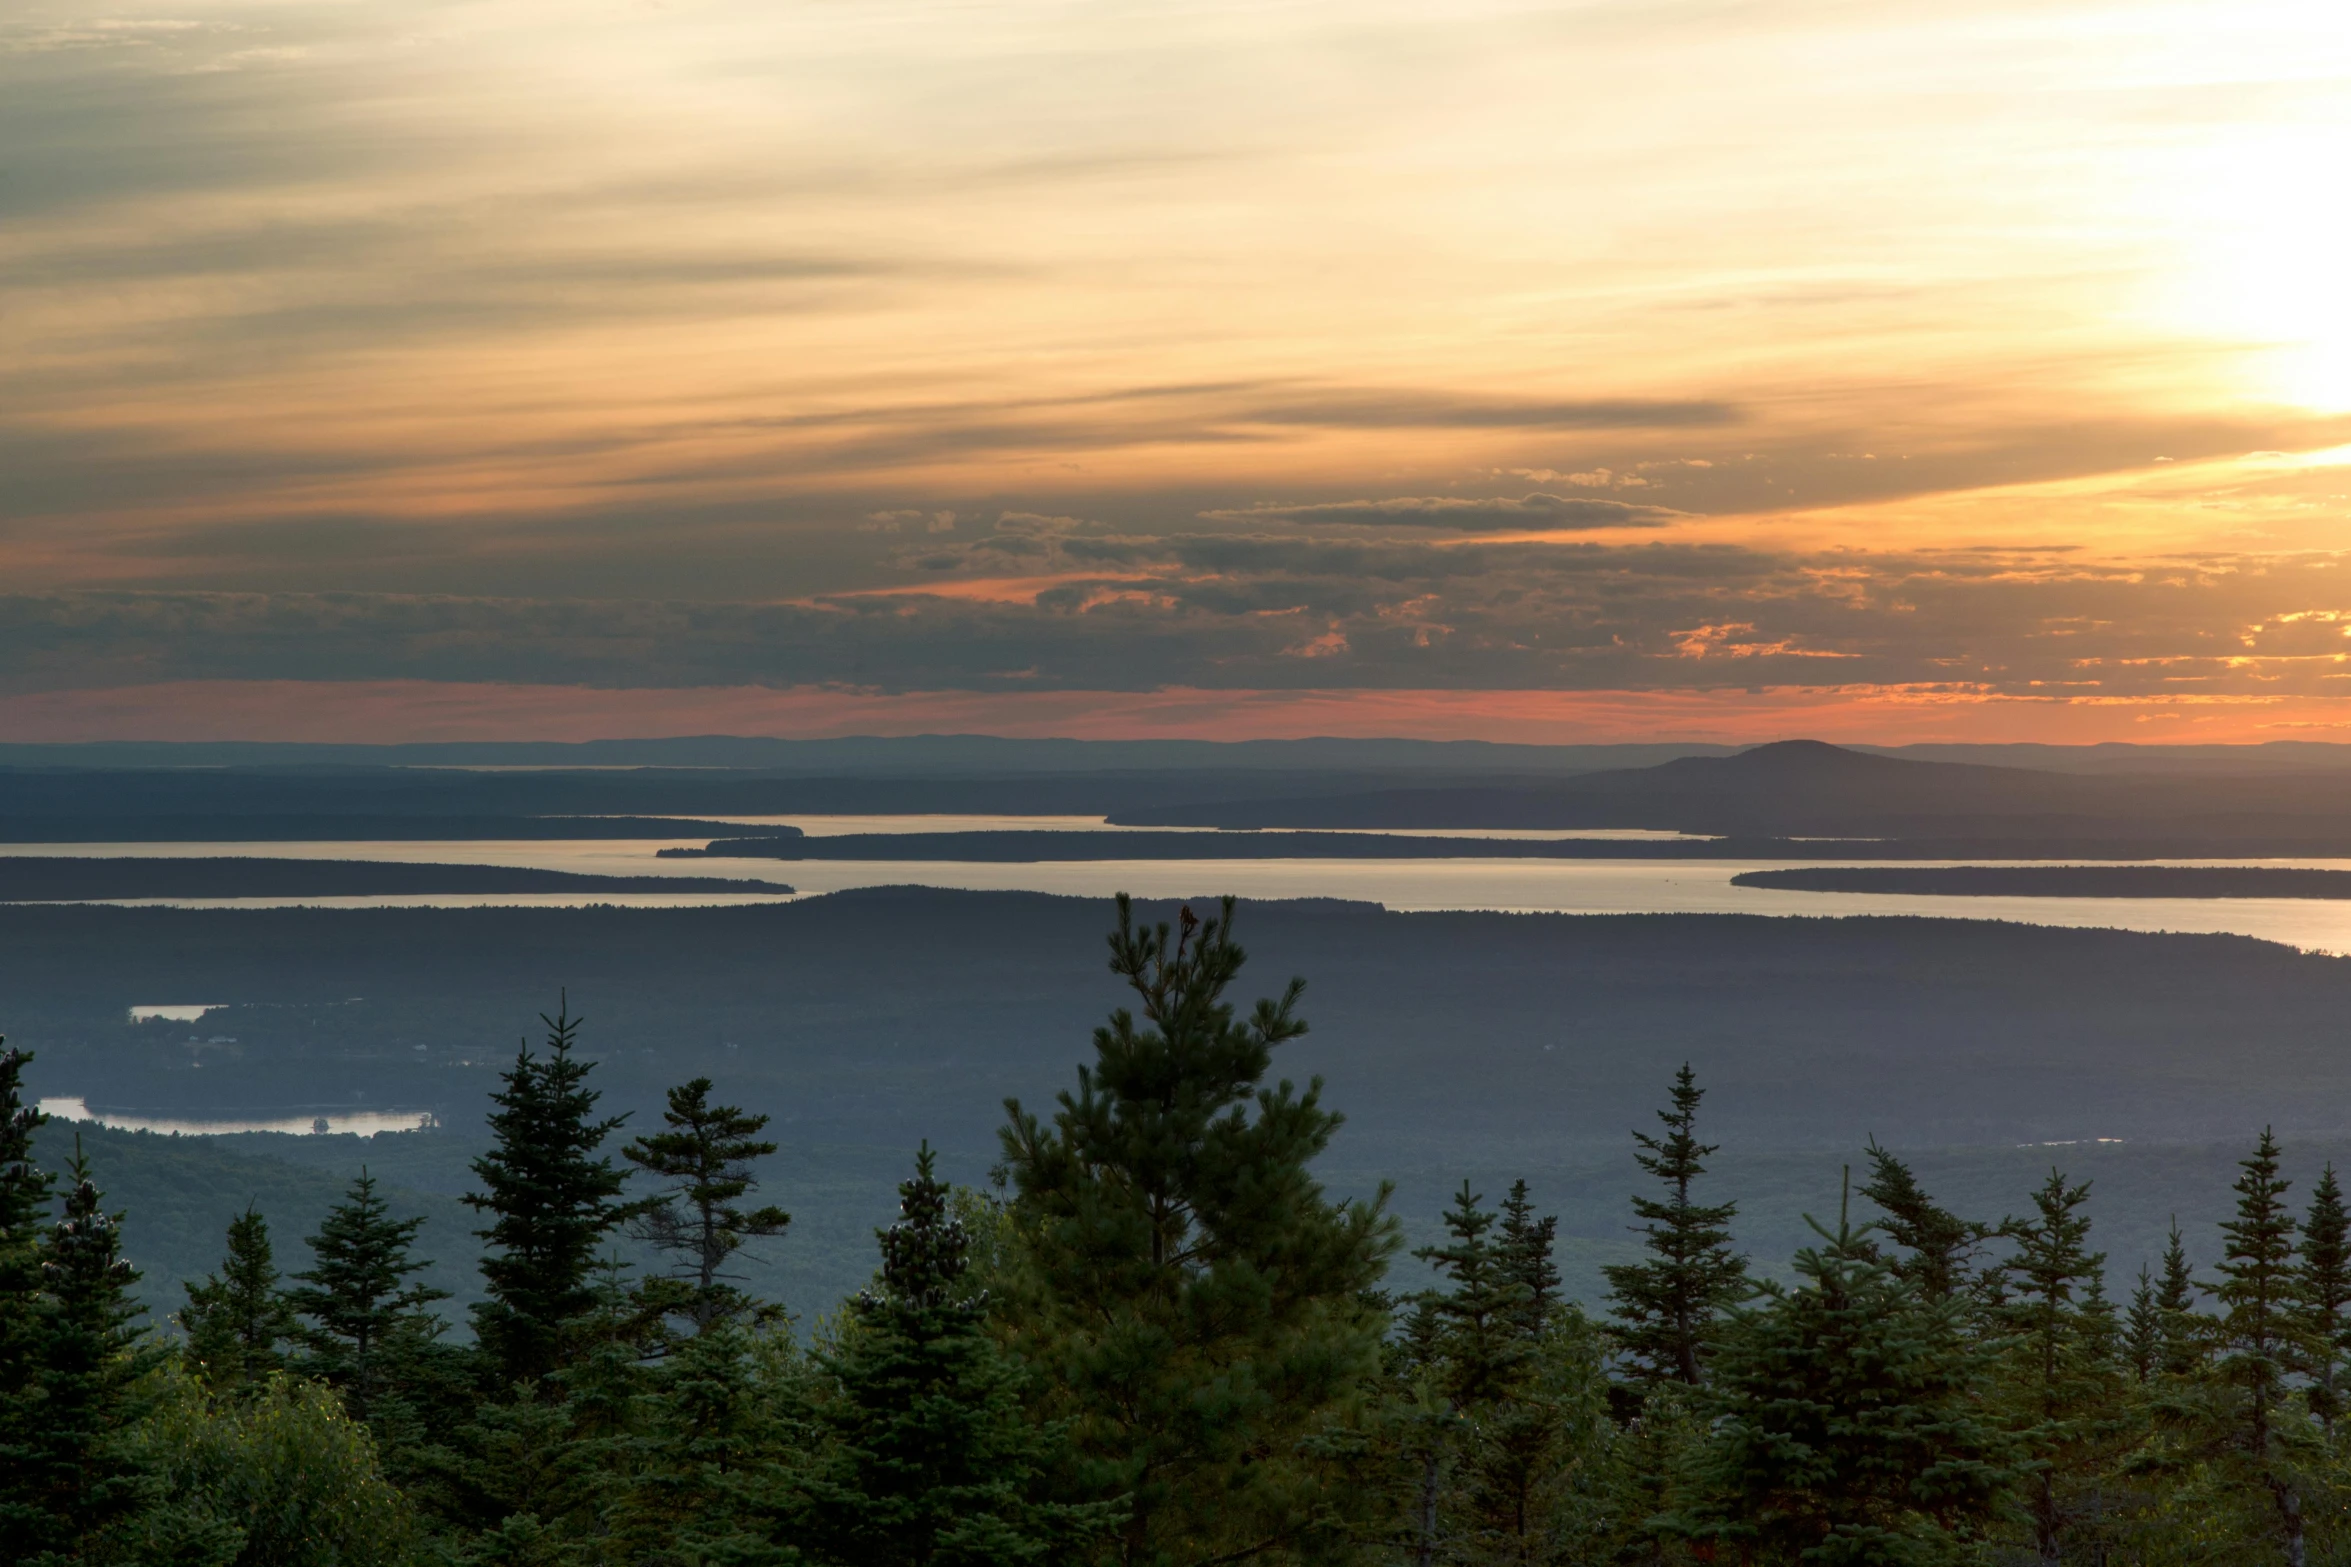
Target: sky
[(1618, 370)]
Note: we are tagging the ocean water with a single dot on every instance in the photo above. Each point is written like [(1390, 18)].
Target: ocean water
[(1515, 885)]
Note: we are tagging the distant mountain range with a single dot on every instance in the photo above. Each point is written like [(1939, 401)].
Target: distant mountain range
[(1805, 788)]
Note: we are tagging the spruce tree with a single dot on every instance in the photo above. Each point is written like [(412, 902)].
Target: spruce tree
[(930, 1458), (551, 1202), (1665, 1308), (1469, 1340), (2323, 1291), (25, 1190), (2062, 1383), (1526, 1246), (236, 1319), (1187, 1296), (705, 1157), (1941, 1245), (76, 1477), (2186, 1333), (2260, 1334), (1844, 1422), (356, 1295), (2143, 1330)]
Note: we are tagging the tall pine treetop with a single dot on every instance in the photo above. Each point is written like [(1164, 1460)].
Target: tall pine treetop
[(705, 1156), (551, 1199), (1665, 1306)]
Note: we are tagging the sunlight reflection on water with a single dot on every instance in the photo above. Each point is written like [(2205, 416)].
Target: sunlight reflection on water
[(1511, 885)]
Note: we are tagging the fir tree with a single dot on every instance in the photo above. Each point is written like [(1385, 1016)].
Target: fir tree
[(2186, 1334), (705, 1156), (1665, 1308), (237, 1318), (2323, 1291), (551, 1205), (1470, 1339), (2260, 1337), (2062, 1382), (1525, 1247), (356, 1295), (2143, 1330), (1941, 1245), (24, 1211), (1844, 1422), (1188, 1297), (931, 1459), (77, 1478)]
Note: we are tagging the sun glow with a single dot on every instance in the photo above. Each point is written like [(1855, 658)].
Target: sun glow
[(2265, 239)]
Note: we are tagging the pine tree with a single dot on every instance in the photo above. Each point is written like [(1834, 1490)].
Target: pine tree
[(931, 1459), (237, 1318), (1844, 1422), (2260, 1336), (2323, 1291), (1941, 1245), (24, 1210), (1666, 1307), (551, 1202), (357, 1297), (706, 1157), (76, 1477), (1189, 1299), (2062, 1382), (2186, 1334)]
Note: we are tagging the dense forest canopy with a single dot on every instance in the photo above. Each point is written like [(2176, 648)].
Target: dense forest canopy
[(1156, 1338)]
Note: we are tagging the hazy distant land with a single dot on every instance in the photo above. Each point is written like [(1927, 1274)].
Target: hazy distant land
[(2060, 881), (69, 878)]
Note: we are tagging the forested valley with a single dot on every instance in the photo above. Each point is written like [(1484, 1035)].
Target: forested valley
[(1154, 1338)]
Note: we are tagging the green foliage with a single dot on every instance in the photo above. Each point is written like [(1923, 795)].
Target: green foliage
[(24, 1201), (1846, 1424), (237, 1319), (1941, 1246), (2322, 1289), (277, 1477), (706, 1157), (1187, 1297), (74, 1478), (2061, 1383), (1665, 1308), (551, 1204), (928, 1458), (363, 1311)]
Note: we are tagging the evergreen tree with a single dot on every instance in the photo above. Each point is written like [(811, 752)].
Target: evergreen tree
[(2260, 1336), (2062, 1382), (2323, 1290), (2143, 1330), (931, 1459), (2186, 1334), (1665, 1308), (1941, 1245), (237, 1318), (705, 1156), (1470, 1341), (1189, 1299), (1844, 1422), (24, 1211), (77, 1478), (551, 1201), (1526, 1256), (356, 1295)]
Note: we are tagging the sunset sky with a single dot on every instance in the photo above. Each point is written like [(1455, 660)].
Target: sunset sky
[(1644, 369)]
